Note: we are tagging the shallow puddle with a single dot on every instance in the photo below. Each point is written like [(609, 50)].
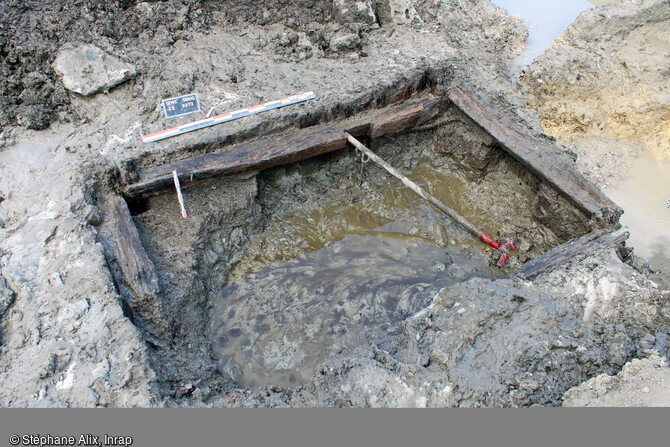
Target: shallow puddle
[(643, 195), (330, 278), (545, 20), (279, 323)]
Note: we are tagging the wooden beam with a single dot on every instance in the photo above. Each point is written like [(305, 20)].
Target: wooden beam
[(536, 155), (133, 271), (567, 251), (252, 156), (284, 149), (398, 118)]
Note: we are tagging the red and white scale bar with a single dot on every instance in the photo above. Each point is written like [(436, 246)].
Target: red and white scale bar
[(218, 119)]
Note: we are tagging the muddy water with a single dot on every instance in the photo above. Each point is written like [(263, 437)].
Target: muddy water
[(354, 290), (368, 210), (327, 278), (545, 20), (642, 195)]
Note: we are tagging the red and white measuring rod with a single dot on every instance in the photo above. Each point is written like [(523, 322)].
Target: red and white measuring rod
[(229, 116)]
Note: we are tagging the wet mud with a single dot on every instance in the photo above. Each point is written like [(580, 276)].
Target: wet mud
[(332, 253), (320, 283)]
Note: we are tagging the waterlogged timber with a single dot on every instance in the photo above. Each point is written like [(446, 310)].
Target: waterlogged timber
[(134, 273), (539, 157), (284, 149), (344, 254), (567, 251)]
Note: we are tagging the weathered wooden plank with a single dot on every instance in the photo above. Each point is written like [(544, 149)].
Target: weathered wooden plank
[(397, 118), (538, 156), (277, 150), (256, 155), (131, 267), (567, 251), (137, 268)]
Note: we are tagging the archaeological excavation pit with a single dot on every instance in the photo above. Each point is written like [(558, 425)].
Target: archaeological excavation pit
[(296, 248)]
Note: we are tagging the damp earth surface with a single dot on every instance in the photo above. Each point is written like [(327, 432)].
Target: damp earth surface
[(323, 282)]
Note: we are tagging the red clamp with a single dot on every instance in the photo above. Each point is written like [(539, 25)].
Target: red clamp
[(504, 257), (488, 241)]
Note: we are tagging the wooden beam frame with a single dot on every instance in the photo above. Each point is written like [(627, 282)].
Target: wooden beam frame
[(536, 155), (288, 148)]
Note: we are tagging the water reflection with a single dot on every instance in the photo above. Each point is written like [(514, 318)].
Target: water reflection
[(642, 197), (545, 20)]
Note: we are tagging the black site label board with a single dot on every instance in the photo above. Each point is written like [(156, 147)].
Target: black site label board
[(181, 105)]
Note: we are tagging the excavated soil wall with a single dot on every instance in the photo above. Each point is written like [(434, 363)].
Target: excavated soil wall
[(274, 272), (84, 323)]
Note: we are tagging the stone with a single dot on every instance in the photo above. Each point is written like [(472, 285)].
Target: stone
[(348, 11), (344, 43), (88, 70), (401, 12)]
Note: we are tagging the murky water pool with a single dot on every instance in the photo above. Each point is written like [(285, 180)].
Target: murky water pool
[(356, 289), (545, 20), (643, 195), (346, 255), (327, 278)]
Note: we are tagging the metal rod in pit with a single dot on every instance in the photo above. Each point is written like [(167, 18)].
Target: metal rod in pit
[(420, 191), (414, 187)]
